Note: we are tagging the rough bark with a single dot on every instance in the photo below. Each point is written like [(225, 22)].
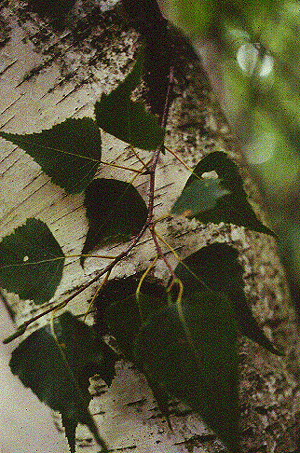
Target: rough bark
[(48, 75)]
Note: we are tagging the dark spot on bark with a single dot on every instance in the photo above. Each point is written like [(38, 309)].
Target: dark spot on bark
[(5, 31), (53, 10), (165, 47)]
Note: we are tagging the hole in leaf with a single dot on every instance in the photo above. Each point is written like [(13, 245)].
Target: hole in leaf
[(210, 175)]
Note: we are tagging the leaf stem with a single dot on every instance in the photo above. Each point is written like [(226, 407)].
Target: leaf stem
[(139, 158), (182, 162), (122, 167), (137, 292), (57, 258), (183, 263), (96, 294), (185, 326), (159, 149)]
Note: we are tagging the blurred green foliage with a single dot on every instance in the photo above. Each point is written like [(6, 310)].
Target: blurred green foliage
[(201, 16)]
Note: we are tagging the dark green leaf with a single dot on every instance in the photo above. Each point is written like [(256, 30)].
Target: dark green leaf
[(125, 317), (217, 267), (115, 211), (199, 196), (231, 207), (194, 357), (58, 369), (118, 115), (31, 243), (124, 321), (69, 153)]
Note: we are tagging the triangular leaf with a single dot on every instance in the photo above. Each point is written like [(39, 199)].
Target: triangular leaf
[(231, 207), (118, 115), (199, 196), (31, 243), (217, 267), (69, 153), (115, 211), (194, 357), (58, 369)]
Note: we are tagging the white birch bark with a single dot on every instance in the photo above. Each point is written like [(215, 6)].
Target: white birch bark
[(48, 76)]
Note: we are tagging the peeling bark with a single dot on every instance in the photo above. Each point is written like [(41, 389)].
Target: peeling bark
[(47, 76)]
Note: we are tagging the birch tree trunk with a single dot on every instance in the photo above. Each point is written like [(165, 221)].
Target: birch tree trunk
[(47, 76)]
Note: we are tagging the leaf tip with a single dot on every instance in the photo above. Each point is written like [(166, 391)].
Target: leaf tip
[(81, 261)]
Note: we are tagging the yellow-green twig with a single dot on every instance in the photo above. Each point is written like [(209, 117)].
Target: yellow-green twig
[(145, 166), (32, 263), (121, 166), (96, 294), (181, 161), (182, 262), (137, 292)]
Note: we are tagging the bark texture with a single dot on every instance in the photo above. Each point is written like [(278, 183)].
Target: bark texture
[(47, 75)]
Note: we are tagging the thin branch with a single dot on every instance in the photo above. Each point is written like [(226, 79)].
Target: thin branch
[(138, 157), (122, 167), (162, 255), (96, 294), (168, 98), (181, 161), (137, 292), (160, 149)]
